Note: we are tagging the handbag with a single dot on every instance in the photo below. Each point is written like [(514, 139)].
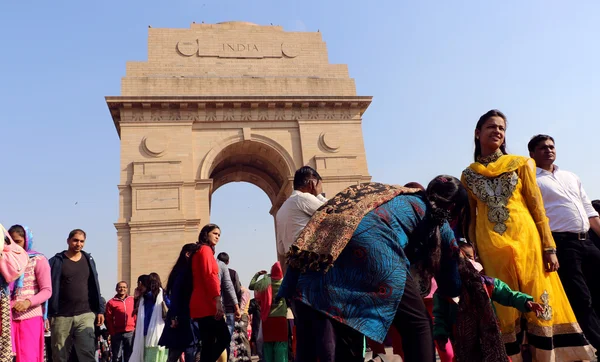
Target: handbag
[(156, 354), (13, 259)]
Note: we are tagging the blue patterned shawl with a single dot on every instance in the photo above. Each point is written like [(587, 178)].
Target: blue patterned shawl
[(365, 285)]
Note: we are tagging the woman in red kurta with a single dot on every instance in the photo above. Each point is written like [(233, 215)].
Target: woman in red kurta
[(206, 307)]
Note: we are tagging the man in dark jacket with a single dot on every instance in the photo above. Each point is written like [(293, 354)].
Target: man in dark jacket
[(76, 305)]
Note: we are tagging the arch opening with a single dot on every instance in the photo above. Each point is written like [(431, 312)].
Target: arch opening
[(247, 230), (253, 162)]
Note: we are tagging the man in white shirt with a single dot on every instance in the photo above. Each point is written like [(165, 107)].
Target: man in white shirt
[(571, 215), (291, 219), (296, 211)]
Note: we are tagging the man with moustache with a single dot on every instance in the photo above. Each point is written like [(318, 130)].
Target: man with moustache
[(571, 216), (75, 307)]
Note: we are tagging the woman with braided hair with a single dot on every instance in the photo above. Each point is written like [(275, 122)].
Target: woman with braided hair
[(350, 265)]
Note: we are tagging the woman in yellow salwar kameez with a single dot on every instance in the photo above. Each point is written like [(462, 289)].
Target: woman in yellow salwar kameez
[(511, 231)]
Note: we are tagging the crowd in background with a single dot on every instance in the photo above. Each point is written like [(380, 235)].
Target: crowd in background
[(497, 266)]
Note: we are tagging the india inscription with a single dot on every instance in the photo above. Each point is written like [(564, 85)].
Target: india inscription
[(240, 47), (236, 49)]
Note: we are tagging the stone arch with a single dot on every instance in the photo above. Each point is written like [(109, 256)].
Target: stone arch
[(206, 167), (260, 161)]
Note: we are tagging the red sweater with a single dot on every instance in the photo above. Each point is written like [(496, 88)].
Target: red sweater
[(207, 286), (118, 316)]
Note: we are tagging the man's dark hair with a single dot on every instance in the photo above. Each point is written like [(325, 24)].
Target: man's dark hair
[(224, 257), (122, 282), (415, 185), (596, 205), (77, 231), (535, 140), (304, 175)]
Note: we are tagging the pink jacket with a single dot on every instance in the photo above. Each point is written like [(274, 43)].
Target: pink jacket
[(37, 288)]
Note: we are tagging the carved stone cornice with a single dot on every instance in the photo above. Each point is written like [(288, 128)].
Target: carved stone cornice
[(155, 184), (345, 178), (121, 227), (190, 109), (159, 225)]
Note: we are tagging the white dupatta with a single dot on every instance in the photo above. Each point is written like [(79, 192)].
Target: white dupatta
[(155, 329)]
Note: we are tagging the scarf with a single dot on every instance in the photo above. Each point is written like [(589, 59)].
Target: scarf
[(498, 164), (263, 291), (155, 329), (477, 334), (331, 227)]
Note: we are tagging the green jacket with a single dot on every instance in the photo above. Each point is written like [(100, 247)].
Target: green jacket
[(277, 309), (445, 311)]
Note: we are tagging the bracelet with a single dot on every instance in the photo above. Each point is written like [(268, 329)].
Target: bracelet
[(550, 251)]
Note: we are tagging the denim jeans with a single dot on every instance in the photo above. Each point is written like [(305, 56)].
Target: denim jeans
[(121, 342), (230, 321)]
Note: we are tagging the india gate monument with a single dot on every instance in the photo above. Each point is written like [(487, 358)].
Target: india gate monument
[(221, 103)]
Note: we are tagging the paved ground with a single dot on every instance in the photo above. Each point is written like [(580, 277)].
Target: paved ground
[(390, 357)]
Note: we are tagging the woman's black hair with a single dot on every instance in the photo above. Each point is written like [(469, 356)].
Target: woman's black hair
[(19, 230), (489, 114), (203, 236), (16, 229), (143, 279), (448, 200), (181, 265), (153, 285)]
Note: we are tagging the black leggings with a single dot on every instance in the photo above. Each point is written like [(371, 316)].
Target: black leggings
[(414, 325), (214, 338), (412, 322)]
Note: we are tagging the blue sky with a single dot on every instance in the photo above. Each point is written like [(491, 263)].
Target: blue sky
[(433, 67)]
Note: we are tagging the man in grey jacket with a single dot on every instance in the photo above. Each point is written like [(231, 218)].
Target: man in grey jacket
[(228, 292), (229, 305)]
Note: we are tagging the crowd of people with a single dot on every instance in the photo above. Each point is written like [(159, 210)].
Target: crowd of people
[(495, 266)]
